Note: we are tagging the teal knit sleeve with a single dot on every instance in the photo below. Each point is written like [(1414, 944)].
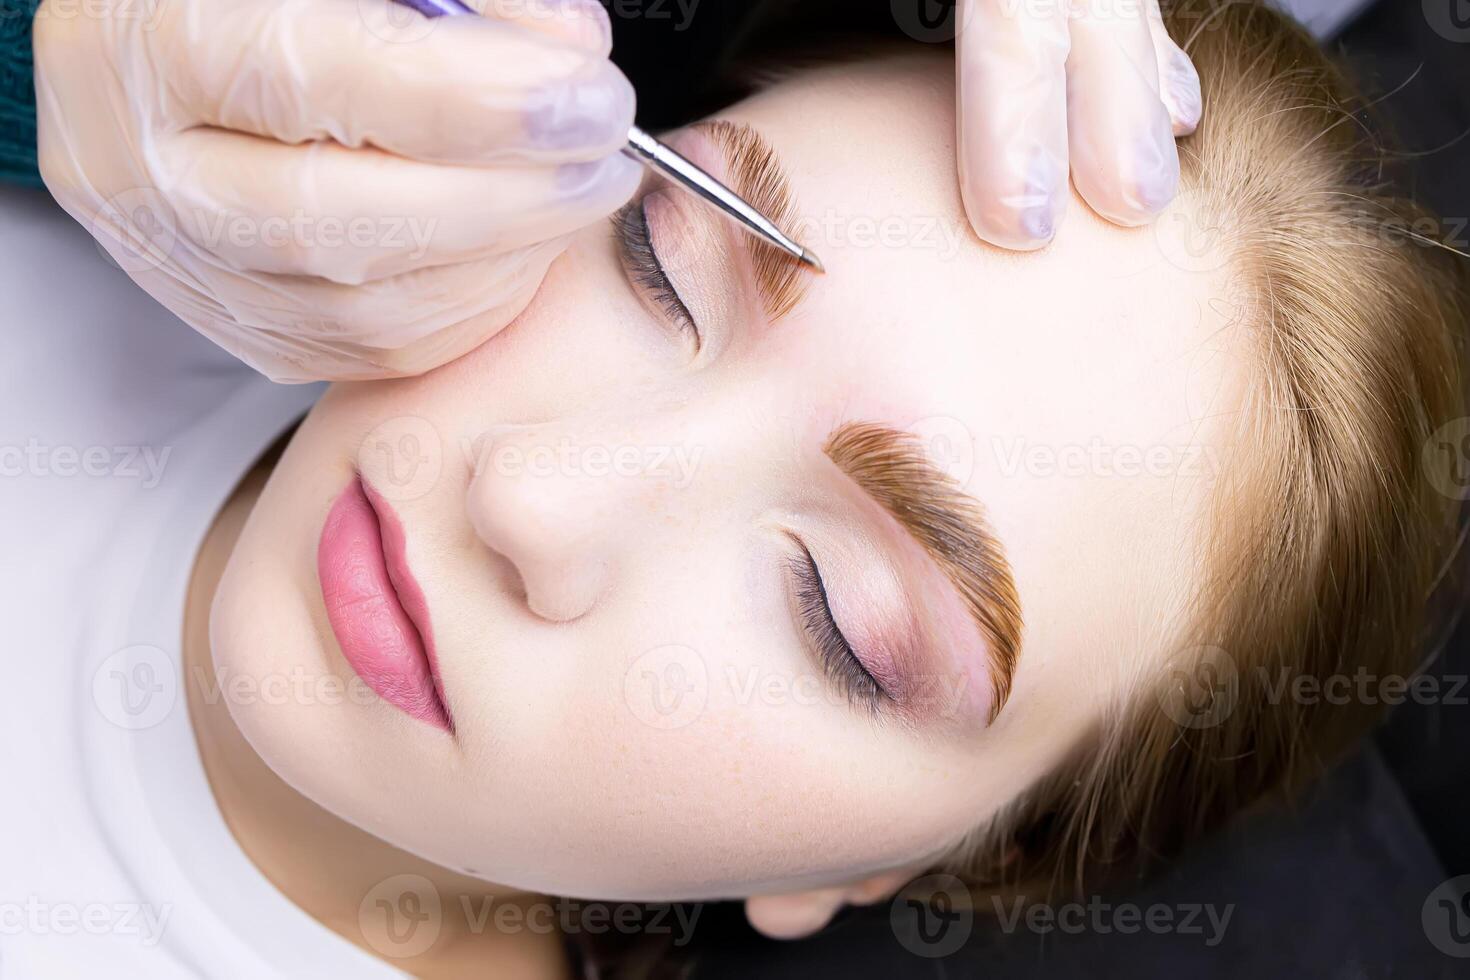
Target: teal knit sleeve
[(17, 96)]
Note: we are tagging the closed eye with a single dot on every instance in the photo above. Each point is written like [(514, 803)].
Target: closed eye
[(648, 275), (839, 663)]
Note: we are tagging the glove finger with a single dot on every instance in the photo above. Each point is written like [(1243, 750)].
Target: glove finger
[(468, 90), (296, 330), (581, 23), (354, 216), (1012, 91), (1124, 161), (1178, 81)]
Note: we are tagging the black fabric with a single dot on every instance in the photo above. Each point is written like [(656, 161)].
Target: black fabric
[(1333, 890), (679, 62), (1422, 78)]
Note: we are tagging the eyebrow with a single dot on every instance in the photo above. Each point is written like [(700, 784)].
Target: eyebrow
[(756, 174), (892, 468)]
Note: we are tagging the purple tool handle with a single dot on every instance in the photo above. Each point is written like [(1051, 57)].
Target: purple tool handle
[(437, 8), (650, 152)]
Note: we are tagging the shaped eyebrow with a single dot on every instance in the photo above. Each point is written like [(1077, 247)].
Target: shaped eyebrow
[(756, 174), (892, 468)]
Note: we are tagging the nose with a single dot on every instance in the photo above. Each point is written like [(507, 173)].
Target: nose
[(557, 503)]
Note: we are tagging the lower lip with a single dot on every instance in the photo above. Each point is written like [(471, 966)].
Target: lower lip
[(375, 606)]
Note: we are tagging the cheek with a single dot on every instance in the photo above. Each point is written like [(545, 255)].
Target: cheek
[(697, 753), (585, 328)]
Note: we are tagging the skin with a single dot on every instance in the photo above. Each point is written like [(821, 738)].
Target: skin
[(323, 863), (549, 589)]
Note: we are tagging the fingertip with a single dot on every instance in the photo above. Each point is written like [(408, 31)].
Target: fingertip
[(1181, 92), (1017, 211), (586, 117), (1141, 190), (1018, 230), (592, 22), (600, 185), (584, 24)]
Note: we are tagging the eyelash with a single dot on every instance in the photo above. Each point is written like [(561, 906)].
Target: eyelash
[(636, 244), (840, 664)]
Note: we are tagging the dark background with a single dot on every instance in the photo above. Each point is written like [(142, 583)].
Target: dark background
[(1334, 888)]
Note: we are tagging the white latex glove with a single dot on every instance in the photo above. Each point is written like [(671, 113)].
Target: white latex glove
[(1044, 85), (335, 189)]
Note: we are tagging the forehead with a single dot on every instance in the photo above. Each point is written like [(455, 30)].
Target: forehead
[(1077, 391)]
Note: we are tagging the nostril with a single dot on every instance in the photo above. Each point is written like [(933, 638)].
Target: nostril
[(565, 597), (541, 533)]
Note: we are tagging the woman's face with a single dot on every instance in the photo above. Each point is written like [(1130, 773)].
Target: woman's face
[(690, 646)]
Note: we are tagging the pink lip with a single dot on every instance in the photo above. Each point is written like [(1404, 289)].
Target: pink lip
[(375, 606)]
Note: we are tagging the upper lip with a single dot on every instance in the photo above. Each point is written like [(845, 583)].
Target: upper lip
[(402, 580), (376, 607)]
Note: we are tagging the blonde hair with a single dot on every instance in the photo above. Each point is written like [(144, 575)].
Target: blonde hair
[(1326, 536)]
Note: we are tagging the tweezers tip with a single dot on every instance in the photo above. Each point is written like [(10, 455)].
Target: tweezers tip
[(814, 262)]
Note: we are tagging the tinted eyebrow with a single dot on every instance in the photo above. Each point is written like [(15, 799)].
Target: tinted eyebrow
[(892, 468), (756, 174)]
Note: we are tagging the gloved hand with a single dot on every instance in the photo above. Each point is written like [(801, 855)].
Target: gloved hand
[(335, 189), (1097, 84)]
